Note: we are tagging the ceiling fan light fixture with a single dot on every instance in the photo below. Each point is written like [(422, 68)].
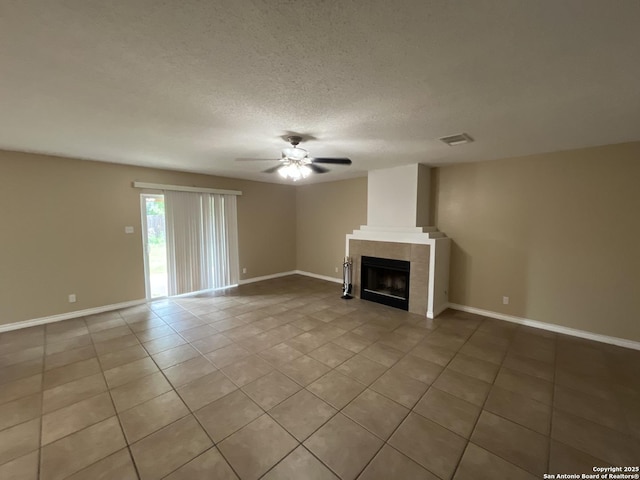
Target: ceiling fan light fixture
[(294, 171)]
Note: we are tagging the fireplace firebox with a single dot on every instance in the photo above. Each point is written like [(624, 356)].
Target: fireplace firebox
[(385, 281)]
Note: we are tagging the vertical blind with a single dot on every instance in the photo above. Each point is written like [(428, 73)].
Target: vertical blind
[(202, 241)]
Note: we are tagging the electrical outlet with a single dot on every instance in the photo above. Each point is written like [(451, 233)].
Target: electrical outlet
[(72, 298), (336, 269), (244, 270), (505, 300)]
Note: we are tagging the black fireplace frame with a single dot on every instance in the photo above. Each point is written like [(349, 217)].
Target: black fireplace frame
[(389, 264)]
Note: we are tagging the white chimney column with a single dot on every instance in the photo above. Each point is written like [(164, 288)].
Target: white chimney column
[(399, 197)]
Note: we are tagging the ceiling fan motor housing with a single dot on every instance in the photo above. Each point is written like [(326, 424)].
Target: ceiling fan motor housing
[(294, 140)]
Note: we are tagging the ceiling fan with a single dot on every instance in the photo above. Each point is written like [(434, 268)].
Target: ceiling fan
[(296, 163)]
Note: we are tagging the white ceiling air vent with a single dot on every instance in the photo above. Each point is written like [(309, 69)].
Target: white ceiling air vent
[(458, 139)]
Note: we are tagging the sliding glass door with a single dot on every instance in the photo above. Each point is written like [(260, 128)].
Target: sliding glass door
[(190, 242)]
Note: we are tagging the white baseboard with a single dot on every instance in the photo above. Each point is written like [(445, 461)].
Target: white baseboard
[(66, 316), (266, 277), (621, 342), (292, 272), (320, 277)]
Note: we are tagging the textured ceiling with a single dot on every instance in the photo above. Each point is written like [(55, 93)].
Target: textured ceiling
[(191, 85)]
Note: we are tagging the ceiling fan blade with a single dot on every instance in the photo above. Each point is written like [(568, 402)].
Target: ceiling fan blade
[(257, 159), (334, 161), (318, 168), (273, 169)]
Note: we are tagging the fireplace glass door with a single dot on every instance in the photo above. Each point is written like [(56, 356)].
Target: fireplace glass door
[(385, 281)]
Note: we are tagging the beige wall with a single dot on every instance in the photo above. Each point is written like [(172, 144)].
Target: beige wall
[(62, 231), (557, 233), (326, 212)]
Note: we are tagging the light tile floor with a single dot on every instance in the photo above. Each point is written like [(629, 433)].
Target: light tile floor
[(284, 380)]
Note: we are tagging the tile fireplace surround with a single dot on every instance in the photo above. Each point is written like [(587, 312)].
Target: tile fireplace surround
[(417, 254)]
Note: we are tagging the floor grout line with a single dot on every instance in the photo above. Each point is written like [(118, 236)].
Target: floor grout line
[(113, 404), (553, 393)]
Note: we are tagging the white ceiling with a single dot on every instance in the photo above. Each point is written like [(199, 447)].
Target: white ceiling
[(192, 84)]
